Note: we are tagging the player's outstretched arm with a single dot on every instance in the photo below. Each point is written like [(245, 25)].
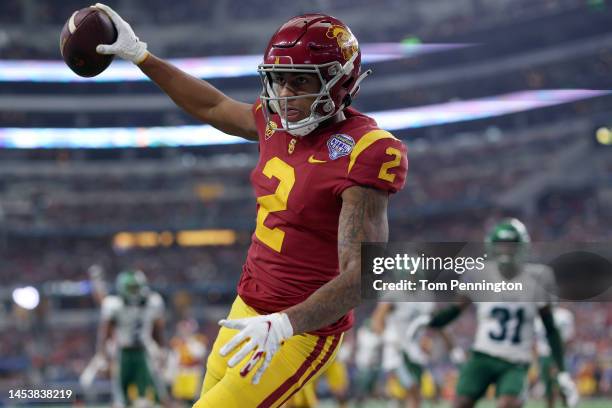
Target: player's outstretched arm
[(553, 336), (566, 384), (193, 95), (363, 218), (446, 315), (200, 99)]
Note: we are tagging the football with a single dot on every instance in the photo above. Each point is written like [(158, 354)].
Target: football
[(84, 30)]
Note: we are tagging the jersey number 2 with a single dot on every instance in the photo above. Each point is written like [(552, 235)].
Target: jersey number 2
[(275, 167), (384, 169)]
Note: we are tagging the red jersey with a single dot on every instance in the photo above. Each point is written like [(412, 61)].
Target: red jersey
[(298, 183)]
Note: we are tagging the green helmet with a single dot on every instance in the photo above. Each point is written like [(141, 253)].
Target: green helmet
[(132, 286), (507, 240), (509, 230)]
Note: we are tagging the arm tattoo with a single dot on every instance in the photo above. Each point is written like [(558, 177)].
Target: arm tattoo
[(363, 218)]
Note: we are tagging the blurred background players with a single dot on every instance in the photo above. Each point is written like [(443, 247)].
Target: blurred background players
[(403, 371), (406, 348), (368, 357), (505, 334), (99, 286), (134, 320), (99, 362), (187, 361)]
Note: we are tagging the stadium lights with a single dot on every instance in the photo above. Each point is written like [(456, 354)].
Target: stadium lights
[(206, 68), (151, 239), (603, 135), (202, 135), (26, 297), (145, 239), (206, 237)]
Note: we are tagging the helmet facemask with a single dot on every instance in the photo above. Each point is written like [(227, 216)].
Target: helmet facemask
[(509, 244), (323, 106), (132, 286)]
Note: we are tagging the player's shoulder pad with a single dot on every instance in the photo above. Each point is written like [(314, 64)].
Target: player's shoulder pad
[(539, 271), (111, 306), (427, 307), (544, 277), (155, 300), (368, 143), (563, 314), (378, 160), (539, 267)]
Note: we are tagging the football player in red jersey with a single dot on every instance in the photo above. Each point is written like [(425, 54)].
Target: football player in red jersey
[(322, 183)]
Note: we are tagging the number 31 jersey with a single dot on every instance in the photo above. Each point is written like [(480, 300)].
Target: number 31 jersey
[(506, 328), (298, 183)]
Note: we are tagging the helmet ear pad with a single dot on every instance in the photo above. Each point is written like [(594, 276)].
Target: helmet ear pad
[(336, 94), (344, 91)]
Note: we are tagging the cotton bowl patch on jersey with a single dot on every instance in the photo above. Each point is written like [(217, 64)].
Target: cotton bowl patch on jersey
[(340, 145)]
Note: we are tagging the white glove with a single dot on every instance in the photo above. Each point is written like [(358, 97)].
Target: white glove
[(568, 389), (98, 363), (457, 355), (127, 46), (265, 334)]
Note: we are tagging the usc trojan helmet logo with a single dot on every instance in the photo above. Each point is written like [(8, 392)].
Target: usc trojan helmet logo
[(346, 40)]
